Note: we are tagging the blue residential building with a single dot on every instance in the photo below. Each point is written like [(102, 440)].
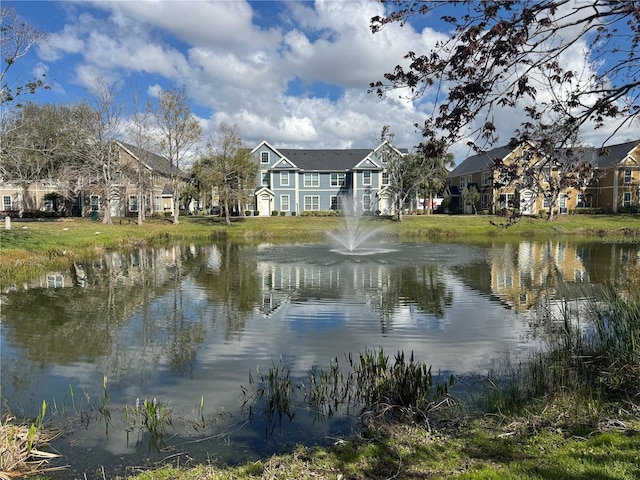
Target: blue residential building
[(296, 180)]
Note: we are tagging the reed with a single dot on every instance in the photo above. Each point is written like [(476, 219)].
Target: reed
[(372, 383), (593, 356)]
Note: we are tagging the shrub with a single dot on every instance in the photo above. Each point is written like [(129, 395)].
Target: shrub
[(274, 213), (293, 214), (282, 214)]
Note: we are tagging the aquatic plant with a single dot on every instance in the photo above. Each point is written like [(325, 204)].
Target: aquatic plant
[(372, 384), (151, 416), (21, 446), (270, 395), (594, 354)]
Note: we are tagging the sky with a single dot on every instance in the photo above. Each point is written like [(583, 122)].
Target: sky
[(293, 73)]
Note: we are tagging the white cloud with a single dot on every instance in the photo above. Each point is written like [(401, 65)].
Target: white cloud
[(258, 68)]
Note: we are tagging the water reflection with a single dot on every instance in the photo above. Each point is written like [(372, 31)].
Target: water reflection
[(187, 323)]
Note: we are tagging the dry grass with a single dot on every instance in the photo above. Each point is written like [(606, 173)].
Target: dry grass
[(20, 452)]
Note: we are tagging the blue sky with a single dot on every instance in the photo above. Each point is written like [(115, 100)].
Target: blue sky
[(293, 73)]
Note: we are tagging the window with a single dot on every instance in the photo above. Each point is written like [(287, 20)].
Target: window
[(133, 203), (6, 202), (311, 202), (95, 203), (311, 180), (506, 200), (48, 205), (366, 202), (627, 175), (55, 280), (562, 204), (584, 201), (334, 202), (338, 179), (465, 180), (486, 201), (157, 204), (385, 178), (486, 178), (264, 178), (626, 199), (366, 177), (546, 201), (284, 179), (284, 203), (264, 157)]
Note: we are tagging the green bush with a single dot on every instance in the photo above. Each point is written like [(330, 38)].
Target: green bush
[(293, 214), (274, 213), (282, 214), (40, 214)]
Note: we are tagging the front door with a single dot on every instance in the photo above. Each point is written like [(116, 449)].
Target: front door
[(527, 202), (265, 205)]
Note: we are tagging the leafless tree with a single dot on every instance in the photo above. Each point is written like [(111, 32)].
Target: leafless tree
[(17, 38), (501, 49), (177, 135), (228, 168)]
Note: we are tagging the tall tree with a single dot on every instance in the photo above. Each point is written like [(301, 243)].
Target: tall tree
[(139, 135), (499, 52), (17, 38), (409, 172), (178, 134), (546, 170), (39, 142), (102, 159), (434, 173), (228, 168), (30, 141)]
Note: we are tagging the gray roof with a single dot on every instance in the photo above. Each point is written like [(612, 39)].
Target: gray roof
[(325, 160), (599, 157), (156, 162), (480, 162), (610, 156)]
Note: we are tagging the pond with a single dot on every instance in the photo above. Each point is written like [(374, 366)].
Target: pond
[(188, 325)]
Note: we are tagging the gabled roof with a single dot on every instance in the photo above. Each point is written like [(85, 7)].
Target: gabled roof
[(324, 160), (600, 158), (610, 156), (152, 161), (480, 162)]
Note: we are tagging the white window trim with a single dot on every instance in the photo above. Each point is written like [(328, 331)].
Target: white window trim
[(4, 202), (310, 199), (263, 182), (313, 180), (284, 175), (366, 198), (264, 157), (97, 203), (282, 197), (340, 179), (135, 198), (366, 177)]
